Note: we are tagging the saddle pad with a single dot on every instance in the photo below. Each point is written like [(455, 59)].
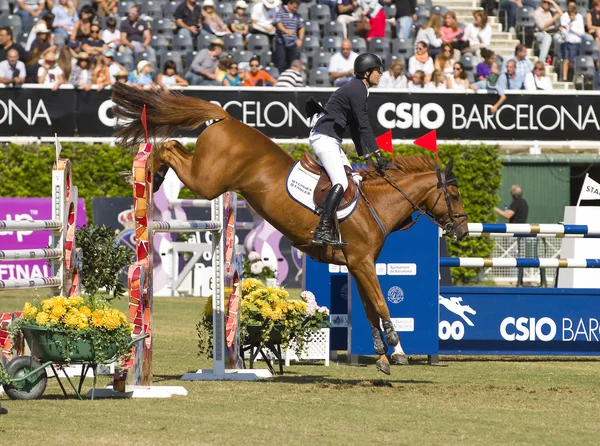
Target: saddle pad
[(301, 185)]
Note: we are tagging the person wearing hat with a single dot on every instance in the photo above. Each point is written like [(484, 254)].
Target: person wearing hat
[(81, 75), (263, 17), (204, 66), (289, 35), (49, 72), (122, 76), (188, 18), (212, 21), (113, 67), (42, 39), (142, 76), (239, 22), (346, 109)]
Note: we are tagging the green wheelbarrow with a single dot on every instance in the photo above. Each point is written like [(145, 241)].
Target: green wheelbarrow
[(28, 373)]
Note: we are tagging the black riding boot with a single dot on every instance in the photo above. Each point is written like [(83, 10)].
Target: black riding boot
[(324, 232)]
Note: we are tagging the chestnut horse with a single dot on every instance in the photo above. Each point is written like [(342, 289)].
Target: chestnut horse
[(231, 156)]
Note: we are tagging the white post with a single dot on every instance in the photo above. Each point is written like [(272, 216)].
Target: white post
[(218, 263)]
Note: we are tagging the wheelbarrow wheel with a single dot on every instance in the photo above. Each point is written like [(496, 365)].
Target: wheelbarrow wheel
[(30, 388)]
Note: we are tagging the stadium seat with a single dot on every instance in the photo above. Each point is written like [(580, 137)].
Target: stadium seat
[(334, 29), (422, 12), (390, 10), (169, 8), (242, 56), (304, 11), (470, 76), (175, 56), (359, 45), (332, 44), (321, 60), (273, 71), (526, 24), (126, 60), (5, 8), (468, 62), (590, 48), (225, 10), (82, 3), (380, 45), (258, 43), (203, 40), (320, 14), (159, 43), (189, 58), (318, 77), (312, 29), (153, 9), (13, 22), (441, 10), (234, 43), (164, 26), (123, 8), (386, 58), (404, 47), (60, 40), (389, 33), (150, 57), (265, 56), (584, 67), (182, 42), (310, 46)]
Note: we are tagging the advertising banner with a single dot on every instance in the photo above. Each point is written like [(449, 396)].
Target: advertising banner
[(19, 209), (279, 113)]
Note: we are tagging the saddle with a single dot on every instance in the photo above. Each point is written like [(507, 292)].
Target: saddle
[(324, 183)]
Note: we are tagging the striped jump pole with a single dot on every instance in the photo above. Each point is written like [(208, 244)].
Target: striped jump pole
[(525, 229), (480, 262), (65, 260)]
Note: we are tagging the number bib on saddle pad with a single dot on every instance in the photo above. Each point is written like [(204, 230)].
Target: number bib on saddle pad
[(308, 183)]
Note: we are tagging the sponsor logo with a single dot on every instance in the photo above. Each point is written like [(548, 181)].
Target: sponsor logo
[(402, 269), (528, 329), (395, 295), (455, 330)]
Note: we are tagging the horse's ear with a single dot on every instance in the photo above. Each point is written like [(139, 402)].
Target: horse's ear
[(437, 172), (449, 167)]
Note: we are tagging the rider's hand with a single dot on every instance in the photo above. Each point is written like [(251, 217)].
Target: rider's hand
[(380, 161)]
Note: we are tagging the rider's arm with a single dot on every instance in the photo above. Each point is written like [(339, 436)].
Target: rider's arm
[(358, 103)]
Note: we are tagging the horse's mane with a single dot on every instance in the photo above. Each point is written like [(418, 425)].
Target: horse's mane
[(405, 164)]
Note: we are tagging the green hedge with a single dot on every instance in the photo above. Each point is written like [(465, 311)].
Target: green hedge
[(25, 172)]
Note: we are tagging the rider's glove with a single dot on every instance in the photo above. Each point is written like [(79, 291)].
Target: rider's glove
[(380, 161)]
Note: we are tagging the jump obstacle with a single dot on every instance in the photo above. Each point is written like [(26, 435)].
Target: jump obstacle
[(465, 320)]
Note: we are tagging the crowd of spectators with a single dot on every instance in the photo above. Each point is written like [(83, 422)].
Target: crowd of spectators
[(94, 43)]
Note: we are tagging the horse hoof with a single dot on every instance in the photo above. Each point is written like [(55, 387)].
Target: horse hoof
[(384, 367), (392, 338), (398, 359)]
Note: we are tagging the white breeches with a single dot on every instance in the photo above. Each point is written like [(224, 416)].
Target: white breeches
[(329, 150)]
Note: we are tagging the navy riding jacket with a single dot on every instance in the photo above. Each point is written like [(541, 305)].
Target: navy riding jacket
[(347, 108)]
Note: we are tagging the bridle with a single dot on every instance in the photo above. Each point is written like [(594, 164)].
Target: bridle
[(454, 218)]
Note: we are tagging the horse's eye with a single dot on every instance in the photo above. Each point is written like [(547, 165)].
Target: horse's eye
[(454, 197)]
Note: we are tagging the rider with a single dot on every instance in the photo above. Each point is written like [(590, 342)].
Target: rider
[(346, 108)]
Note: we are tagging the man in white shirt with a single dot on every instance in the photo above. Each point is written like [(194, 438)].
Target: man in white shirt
[(545, 29), (12, 70), (341, 65), (263, 17)]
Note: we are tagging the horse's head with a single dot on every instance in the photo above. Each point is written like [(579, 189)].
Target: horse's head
[(446, 204)]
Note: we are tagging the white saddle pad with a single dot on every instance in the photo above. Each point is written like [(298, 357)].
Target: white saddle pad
[(300, 186)]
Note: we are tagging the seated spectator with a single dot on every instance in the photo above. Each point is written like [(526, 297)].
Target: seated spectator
[(28, 9), (511, 6), (545, 28), (65, 17), (83, 26), (142, 76), (572, 29), (111, 35), (510, 80), (592, 21), (169, 77), (458, 80), (263, 17), (135, 33), (101, 73), (106, 8), (204, 66), (81, 75), (537, 79), (223, 65), (406, 15), (12, 70), (65, 61), (292, 77), (421, 61), (94, 45), (417, 81), (341, 64), (478, 35), (239, 22), (347, 12), (212, 22), (42, 38), (451, 32), (188, 18), (288, 36), (7, 43), (484, 68), (122, 76), (376, 15), (256, 77), (431, 34), (46, 24), (232, 78), (438, 81), (524, 66), (445, 61), (394, 77), (49, 72), (490, 82)]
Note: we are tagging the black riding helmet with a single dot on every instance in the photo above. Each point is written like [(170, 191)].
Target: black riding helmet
[(366, 62)]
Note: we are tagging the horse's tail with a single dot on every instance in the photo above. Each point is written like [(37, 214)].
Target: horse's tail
[(166, 111)]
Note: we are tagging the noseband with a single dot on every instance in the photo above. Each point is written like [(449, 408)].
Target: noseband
[(443, 184)]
